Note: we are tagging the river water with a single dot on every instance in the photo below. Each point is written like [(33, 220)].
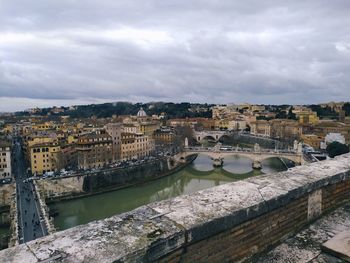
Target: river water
[(196, 176)]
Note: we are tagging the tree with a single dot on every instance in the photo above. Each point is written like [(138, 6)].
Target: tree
[(291, 115), (346, 108), (336, 148)]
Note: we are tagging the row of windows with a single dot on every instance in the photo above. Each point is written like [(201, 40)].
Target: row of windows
[(44, 160), (4, 148), (94, 140), (47, 166), (47, 155), (37, 150), (3, 165)]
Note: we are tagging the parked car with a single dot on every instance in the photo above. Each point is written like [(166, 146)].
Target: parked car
[(6, 181)]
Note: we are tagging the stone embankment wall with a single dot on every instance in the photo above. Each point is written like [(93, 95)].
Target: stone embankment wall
[(13, 239), (6, 192), (61, 186), (8, 214), (70, 187), (228, 223)]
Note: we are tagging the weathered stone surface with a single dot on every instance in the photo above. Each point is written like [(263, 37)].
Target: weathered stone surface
[(19, 253), (210, 211), (339, 246), (139, 236)]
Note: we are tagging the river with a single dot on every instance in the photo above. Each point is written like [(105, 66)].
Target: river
[(196, 176)]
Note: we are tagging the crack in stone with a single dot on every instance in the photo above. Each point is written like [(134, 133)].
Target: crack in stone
[(32, 252)]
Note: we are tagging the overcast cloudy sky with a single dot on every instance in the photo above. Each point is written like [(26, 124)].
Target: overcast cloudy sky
[(72, 52)]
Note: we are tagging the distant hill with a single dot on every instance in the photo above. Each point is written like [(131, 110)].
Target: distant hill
[(172, 110)]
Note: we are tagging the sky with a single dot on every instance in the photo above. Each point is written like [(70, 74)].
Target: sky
[(72, 52)]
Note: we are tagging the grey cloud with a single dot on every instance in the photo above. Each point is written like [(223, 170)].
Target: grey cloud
[(214, 51)]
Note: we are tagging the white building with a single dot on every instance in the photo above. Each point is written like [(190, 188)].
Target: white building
[(5, 160), (334, 137)]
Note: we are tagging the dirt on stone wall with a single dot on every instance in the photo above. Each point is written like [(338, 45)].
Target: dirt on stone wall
[(6, 191), (60, 186)]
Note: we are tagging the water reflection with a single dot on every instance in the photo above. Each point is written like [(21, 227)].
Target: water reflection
[(237, 165), (197, 176)]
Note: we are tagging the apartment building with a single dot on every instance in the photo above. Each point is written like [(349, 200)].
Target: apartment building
[(136, 146), (94, 150), (115, 131), (43, 157), (5, 159)]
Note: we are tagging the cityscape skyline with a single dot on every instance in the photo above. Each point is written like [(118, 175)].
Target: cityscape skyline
[(103, 102), (264, 53)]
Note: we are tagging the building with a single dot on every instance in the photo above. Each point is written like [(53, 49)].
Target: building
[(115, 130), (147, 128), (277, 128), (312, 140), (307, 117), (224, 112), (164, 136), (68, 158), (94, 151), (131, 127), (285, 129), (5, 159), (43, 157), (325, 127), (136, 146), (141, 113), (261, 127), (36, 138)]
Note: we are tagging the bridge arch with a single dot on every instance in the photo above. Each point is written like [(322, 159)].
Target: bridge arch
[(215, 135), (288, 158), (223, 136), (208, 137)]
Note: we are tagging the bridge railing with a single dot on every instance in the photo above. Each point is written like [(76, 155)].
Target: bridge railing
[(240, 150)]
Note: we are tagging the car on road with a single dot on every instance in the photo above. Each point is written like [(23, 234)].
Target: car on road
[(6, 181)]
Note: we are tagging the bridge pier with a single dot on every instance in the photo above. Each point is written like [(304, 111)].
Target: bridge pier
[(256, 164), (218, 162)]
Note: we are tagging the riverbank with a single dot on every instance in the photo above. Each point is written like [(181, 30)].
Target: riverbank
[(56, 190), (7, 213)]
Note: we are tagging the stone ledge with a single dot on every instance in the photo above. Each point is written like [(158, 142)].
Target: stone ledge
[(150, 232)]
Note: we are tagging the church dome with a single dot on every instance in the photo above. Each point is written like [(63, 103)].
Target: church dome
[(141, 113)]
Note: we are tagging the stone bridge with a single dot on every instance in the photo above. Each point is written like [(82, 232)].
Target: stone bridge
[(214, 135), (257, 155), (233, 222)]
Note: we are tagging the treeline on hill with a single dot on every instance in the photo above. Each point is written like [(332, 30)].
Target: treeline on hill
[(324, 112), (172, 110), (346, 108)]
